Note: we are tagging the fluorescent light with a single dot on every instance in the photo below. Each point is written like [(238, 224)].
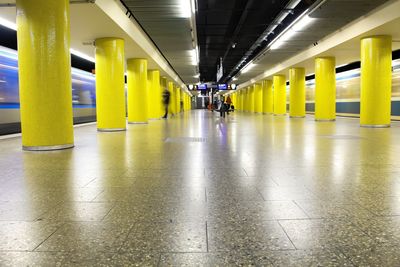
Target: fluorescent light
[(293, 4), (184, 8), (276, 44), (197, 76), (81, 55), (303, 23), (193, 57), (299, 25), (8, 24), (234, 79), (193, 6), (248, 67)]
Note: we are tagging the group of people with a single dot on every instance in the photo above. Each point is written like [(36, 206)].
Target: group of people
[(223, 106)]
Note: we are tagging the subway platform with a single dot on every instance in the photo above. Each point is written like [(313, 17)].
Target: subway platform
[(198, 190)]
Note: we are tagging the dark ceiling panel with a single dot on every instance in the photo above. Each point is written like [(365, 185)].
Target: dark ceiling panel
[(228, 28)]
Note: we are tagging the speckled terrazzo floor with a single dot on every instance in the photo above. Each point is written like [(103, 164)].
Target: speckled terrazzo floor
[(197, 190)]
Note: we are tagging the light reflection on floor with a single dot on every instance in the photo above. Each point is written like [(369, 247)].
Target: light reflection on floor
[(247, 189)]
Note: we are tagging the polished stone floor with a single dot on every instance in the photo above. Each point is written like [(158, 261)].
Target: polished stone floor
[(197, 190)]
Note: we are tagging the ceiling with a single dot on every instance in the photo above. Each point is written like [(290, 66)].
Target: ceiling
[(170, 29), (227, 29), (330, 16), (236, 31), (343, 44)]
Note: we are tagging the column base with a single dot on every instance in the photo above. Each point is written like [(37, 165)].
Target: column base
[(47, 148), (280, 114), (375, 126), (325, 120), (111, 129), (297, 117), (134, 122)]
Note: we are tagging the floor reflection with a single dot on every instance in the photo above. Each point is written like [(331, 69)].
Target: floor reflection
[(199, 189)]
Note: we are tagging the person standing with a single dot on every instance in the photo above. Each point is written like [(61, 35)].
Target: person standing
[(165, 99), (228, 102), (222, 107)]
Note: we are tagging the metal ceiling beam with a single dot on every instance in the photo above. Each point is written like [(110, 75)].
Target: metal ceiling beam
[(238, 27), (269, 30)]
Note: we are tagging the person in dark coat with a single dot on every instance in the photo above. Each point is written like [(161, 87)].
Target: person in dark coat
[(165, 100)]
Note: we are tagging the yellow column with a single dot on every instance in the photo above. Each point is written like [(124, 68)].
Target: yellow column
[(163, 86), (258, 98), (243, 99), (172, 98), (376, 81), (45, 74), (234, 100), (137, 90), (252, 107), (297, 82), (178, 99), (268, 98), (279, 94), (149, 97), (246, 99), (176, 92), (237, 106), (155, 94), (239, 100), (185, 102), (241, 103), (325, 89), (110, 84)]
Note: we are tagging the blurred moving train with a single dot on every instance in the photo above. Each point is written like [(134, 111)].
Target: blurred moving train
[(348, 92), (83, 93)]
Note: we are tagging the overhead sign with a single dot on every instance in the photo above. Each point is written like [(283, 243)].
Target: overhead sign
[(222, 86), (202, 86)]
